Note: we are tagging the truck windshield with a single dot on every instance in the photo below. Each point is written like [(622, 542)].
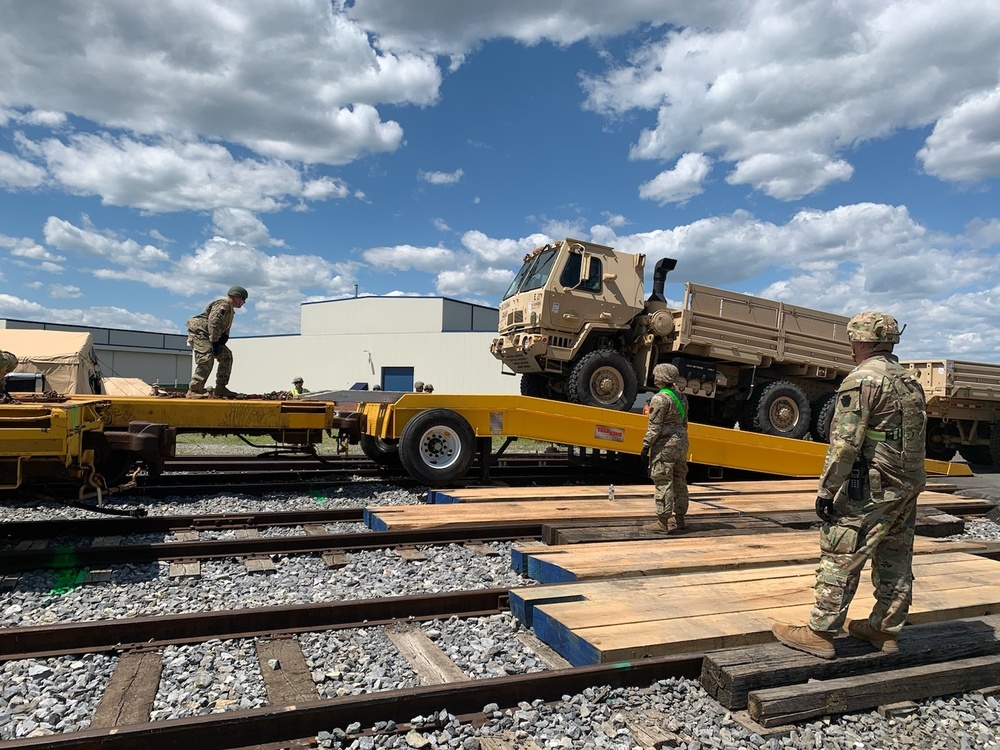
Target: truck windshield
[(533, 274)]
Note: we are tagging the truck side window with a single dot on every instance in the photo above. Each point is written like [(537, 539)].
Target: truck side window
[(570, 277)]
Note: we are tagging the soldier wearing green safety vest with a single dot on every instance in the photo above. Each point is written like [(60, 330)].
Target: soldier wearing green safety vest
[(666, 447), (867, 495)]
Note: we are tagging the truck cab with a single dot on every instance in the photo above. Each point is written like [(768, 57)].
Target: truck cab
[(573, 302)]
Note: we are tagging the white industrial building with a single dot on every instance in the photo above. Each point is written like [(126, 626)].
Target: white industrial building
[(391, 342), (387, 341)]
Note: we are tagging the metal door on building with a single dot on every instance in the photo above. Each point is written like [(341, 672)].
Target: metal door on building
[(397, 378)]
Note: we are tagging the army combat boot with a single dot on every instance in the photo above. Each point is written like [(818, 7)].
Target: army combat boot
[(662, 525), (221, 391), (680, 523), (885, 642), (196, 394), (804, 638)]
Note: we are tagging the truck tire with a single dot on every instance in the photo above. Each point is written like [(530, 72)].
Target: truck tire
[(822, 417), (383, 451), (538, 386), (437, 447), (780, 408), (937, 448), (603, 378)]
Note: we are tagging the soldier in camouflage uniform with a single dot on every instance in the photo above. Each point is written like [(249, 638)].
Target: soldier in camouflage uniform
[(208, 333), (665, 445), (867, 497)]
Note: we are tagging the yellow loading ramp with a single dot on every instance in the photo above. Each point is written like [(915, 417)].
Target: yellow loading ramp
[(436, 435)]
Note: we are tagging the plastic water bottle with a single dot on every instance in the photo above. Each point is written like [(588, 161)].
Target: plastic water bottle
[(611, 492)]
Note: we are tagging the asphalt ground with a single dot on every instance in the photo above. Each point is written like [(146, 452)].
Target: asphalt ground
[(984, 484)]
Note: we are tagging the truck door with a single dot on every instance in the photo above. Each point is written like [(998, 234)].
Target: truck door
[(575, 298)]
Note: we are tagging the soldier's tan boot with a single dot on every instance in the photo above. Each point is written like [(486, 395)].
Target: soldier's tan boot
[(884, 642), (196, 394), (660, 527), (804, 638)]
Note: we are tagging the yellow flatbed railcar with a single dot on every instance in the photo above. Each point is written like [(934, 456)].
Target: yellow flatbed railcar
[(90, 443)]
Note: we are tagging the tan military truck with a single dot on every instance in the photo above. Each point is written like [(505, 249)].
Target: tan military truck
[(574, 323), (963, 409)]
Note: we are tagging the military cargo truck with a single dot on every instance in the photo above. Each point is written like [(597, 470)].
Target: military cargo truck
[(963, 409), (574, 323)]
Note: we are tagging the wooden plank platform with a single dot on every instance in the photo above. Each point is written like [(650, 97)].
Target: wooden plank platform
[(398, 517), (675, 553), (592, 492), (632, 618)]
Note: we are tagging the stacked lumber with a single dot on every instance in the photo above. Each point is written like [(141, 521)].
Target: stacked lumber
[(624, 619), (778, 685)]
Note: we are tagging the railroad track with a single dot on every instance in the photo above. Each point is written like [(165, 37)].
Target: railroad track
[(139, 644), (33, 552)]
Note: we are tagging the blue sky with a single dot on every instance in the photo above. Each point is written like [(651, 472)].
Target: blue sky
[(843, 156)]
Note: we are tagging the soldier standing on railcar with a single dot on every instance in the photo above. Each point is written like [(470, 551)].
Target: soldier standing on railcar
[(208, 333), (867, 497)]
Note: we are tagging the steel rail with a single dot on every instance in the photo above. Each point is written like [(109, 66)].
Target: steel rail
[(273, 724), (91, 636), (81, 557), (52, 528)]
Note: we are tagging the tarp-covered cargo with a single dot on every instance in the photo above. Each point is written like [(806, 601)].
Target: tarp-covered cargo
[(65, 358)]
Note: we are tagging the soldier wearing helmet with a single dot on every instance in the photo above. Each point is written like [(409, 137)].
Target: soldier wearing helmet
[(867, 495), (418, 387), (665, 445), (208, 333)]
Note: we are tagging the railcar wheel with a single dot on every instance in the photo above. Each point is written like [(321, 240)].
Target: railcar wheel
[(603, 378), (822, 417), (437, 447), (781, 408), (383, 451)]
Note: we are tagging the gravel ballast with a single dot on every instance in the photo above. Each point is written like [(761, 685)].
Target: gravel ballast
[(45, 696)]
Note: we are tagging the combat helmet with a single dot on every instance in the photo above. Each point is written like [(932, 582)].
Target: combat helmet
[(238, 291), (873, 327), (665, 373)]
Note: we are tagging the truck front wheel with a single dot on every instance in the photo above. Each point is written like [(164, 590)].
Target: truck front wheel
[(437, 447), (603, 378), (539, 386), (780, 408)]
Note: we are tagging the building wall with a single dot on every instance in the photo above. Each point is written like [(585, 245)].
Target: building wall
[(445, 341), (153, 357)]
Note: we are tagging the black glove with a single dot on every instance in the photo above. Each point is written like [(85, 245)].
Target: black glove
[(217, 347), (824, 509), (224, 339), (644, 453)]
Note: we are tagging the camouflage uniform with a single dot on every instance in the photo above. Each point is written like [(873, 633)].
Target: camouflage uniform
[(667, 440), (204, 330), (880, 417)]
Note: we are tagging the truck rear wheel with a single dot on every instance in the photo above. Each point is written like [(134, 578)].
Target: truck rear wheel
[(437, 447), (780, 408), (383, 451), (603, 378), (937, 446), (822, 417)]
